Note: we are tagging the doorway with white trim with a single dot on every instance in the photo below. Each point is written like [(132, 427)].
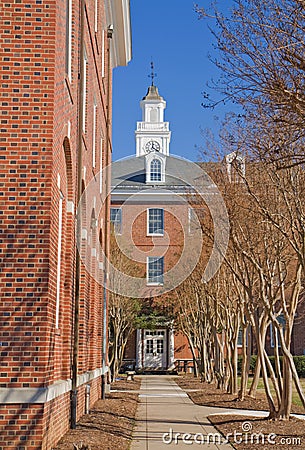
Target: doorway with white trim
[(155, 349)]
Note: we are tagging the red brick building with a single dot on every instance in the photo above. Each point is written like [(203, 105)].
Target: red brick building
[(151, 217), (153, 226), (56, 83)]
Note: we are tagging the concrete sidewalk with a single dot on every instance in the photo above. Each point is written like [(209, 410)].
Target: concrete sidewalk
[(167, 417)]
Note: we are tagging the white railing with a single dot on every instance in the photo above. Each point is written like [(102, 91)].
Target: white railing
[(153, 126)]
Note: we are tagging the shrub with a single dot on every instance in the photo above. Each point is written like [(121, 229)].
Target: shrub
[(299, 362)]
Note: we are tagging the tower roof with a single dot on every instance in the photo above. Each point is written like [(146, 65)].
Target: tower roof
[(153, 93)]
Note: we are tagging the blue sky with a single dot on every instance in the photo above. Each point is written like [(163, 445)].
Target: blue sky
[(169, 32)]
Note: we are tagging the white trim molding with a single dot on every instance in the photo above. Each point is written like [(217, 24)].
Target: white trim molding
[(45, 395), (118, 15)]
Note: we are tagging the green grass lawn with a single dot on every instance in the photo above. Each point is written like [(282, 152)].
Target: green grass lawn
[(295, 397)]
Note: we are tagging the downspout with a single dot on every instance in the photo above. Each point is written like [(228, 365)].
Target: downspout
[(107, 206), (74, 390)]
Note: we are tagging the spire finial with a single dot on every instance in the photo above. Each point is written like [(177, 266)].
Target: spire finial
[(152, 74)]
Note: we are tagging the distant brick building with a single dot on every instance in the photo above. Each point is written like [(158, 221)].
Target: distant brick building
[(152, 228), (56, 84), (149, 214)]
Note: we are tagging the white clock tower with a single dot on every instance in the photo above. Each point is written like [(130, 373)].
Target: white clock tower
[(152, 134)]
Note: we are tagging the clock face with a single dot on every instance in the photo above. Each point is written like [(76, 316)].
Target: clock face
[(151, 146)]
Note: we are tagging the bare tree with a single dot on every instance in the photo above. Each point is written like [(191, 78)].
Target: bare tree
[(262, 52), (122, 311)]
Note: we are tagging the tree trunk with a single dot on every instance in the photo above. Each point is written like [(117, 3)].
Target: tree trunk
[(262, 329), (234, 368), (219, 366), (273, 378), (289, 358), (260, 335), (286, 399), (244, 366), (229, 387)]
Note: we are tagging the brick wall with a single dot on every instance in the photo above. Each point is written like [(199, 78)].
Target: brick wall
[(38, 173), (134, 224)]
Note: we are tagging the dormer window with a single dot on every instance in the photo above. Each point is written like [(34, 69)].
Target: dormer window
[(236, 167), (155, 170), (155, 167)]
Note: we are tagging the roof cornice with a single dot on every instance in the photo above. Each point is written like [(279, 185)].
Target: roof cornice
[(118, 15)]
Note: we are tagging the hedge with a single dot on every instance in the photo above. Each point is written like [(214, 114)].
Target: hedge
[(299, 362)]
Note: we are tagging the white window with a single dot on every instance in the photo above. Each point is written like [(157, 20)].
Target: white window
[(116, 219), (149, 347), (95, 15), (84, 90), (155, 170), (94, 134), (236, 167), (59, 244), (103, 53), (274, 332), (155, 221), (68, 38), (191, 219), (160, 346), (101, 166), (240, 337), (155, 270)]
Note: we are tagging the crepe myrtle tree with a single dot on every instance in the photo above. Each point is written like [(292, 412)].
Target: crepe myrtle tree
[(193, 318), (266, 259), (209, 316), (260, 54), (282, 210), (123, 311), (268, 235)]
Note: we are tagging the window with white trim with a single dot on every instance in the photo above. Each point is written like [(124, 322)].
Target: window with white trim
[(191, 220), (84, 90), (155, 269), (274, 334), (149, 347), (59, 246), (68, 38), (95, 15), (116, 219), (101, 165), (94, 134), (240, 337), (236, 167), (103, 53), (155, 221), (160, 346), (155, 170)]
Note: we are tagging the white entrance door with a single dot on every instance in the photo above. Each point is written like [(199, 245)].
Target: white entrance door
[(155, 349)]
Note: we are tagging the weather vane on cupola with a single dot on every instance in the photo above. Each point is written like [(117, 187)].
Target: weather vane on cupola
[(152, 75)]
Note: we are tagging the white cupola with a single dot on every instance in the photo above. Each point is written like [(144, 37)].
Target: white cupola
[(152, 133)]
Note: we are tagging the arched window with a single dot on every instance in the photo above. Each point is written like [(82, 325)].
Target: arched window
[(155, 170)]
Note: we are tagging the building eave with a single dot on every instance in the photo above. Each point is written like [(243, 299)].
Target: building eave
[(118, 15)]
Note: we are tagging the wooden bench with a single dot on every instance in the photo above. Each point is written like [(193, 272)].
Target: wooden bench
[(130, 375)]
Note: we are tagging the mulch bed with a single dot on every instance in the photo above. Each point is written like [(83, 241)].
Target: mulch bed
[(121, 384), (110, 422), (281, 435), (207, 394)]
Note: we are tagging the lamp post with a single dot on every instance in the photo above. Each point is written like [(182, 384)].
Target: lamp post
[(107, 207)]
